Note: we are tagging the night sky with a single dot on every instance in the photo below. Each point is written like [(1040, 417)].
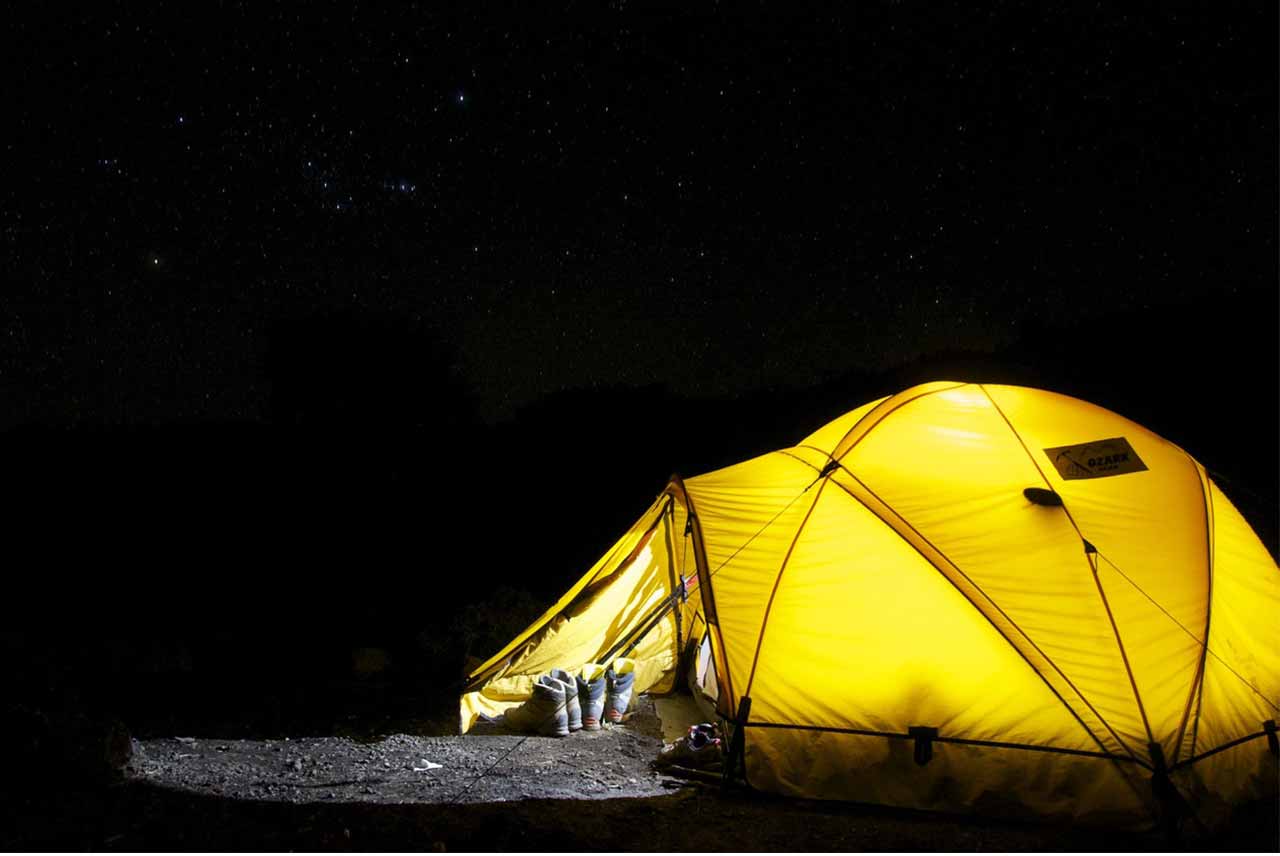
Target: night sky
[(717, 201)]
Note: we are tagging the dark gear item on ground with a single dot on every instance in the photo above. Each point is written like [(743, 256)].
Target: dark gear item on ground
[(700, 749)]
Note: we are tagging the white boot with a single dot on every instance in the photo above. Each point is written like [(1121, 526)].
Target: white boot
[(591, 689), (572, 706), (545, 713), (619, 680)]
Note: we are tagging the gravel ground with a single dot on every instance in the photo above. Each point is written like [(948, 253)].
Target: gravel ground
[(587, 792), (401, 768)]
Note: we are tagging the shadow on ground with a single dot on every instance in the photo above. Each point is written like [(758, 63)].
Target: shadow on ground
[(139, 816)]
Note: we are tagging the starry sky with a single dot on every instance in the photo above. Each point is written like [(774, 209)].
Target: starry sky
[(712, 198)]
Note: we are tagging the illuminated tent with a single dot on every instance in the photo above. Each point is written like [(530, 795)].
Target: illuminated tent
[(962, 597)]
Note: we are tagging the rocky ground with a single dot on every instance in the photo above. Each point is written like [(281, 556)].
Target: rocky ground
[(410, 769), (430, 791)]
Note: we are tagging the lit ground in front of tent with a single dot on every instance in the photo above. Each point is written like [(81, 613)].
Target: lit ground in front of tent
[(588, 792), (403, 768)]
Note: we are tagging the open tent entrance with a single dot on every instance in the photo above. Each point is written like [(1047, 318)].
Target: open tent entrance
[(639, 601)]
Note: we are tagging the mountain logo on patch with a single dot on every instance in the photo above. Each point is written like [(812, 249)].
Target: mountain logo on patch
[(1100, 458)]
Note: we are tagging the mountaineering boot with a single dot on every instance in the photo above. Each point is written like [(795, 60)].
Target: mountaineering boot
[(544, 713), (697, 750), (620, 677), (571, 697), (591, 691)]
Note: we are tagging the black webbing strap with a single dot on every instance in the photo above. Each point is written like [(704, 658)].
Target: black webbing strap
[(738, 743), (923, 736)]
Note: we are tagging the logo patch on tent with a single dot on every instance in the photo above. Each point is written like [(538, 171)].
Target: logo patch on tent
[(1094, 460)]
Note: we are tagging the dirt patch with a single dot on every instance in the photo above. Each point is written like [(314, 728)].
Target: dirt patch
[(402, 768)]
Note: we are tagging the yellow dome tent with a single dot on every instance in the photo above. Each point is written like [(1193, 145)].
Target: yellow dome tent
[(963, 597)]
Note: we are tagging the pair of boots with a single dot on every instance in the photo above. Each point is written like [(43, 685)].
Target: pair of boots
[(562, 703)]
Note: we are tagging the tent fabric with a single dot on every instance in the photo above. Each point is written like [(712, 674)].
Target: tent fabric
[(610, 604), (893, 617)]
